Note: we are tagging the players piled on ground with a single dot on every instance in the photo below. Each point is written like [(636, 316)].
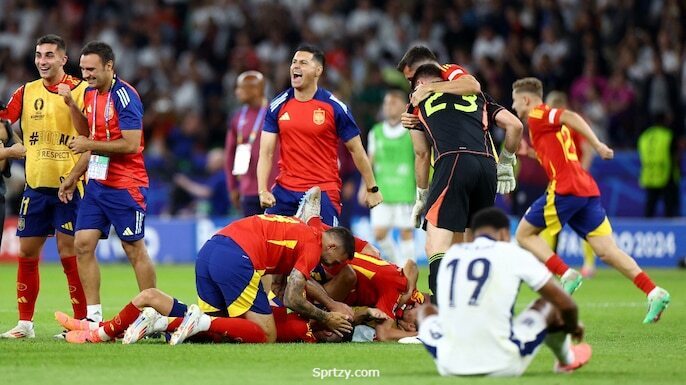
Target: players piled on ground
[(291, 274)]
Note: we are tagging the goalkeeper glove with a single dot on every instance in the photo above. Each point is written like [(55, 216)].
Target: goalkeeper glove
[(419, 203), (505, 172)]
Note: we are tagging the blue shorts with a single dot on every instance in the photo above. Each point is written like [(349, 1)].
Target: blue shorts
[(287, 202), (226, 281), (41, 213), (104, 206), (585, 215)]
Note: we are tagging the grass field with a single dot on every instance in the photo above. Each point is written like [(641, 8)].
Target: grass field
[(625, 351)]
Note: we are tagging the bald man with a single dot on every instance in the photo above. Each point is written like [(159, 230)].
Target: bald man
[(243, 144)]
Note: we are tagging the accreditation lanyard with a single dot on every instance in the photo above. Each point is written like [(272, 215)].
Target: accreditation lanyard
[(106, 112), (255, 126)]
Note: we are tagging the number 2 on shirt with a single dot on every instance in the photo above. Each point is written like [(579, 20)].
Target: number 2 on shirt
[(469, 107), (568, 147), (478, 275)]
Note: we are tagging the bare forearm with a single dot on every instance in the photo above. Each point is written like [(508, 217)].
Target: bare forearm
[(79, 120), (264, 167), (513, 129), (196, 189), (421, 170), (412, 273), (81, 166), (570, 319), (421, 158), (577, 123), (317, 293), (363, 165), (294, 299), (465, 85), (386, 331), (117, 146)]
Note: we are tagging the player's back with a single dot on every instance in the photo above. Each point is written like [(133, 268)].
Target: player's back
[(456, 123), (379, 283), (276, 243), (555, 148), (478, 285)]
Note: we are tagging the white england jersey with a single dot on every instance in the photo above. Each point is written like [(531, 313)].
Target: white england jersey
[(478, 285)]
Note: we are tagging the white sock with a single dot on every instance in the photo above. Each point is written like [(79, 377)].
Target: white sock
[(406, 251), (94, 312), (160, 325), (28, 324), (204, 323), (102, 334), (561, 345), (387, 248)]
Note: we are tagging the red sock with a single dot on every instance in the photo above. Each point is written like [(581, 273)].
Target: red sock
[(556, 265), (294, 329), (239, 329), (121, 321), (28, 283), (76, 293), (174, 323), (643, 282)]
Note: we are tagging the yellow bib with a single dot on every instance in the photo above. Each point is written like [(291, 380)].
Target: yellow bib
[(47, 129)]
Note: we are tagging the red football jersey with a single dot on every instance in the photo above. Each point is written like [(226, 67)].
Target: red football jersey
[(309, 135), (108, 115), (557, 153), (379, 283), (452, 71), (277, 244)]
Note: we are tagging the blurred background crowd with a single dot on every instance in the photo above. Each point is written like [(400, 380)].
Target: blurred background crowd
[(622, 63)]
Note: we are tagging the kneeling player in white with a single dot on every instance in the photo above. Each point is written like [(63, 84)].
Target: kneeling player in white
[(472, 332)]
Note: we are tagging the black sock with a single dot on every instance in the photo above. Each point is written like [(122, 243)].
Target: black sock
[(434, 262)]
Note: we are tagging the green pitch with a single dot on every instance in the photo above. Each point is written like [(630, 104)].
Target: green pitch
[(625, 351)]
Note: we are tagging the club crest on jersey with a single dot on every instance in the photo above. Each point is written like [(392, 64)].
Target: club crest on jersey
[(319, 116)]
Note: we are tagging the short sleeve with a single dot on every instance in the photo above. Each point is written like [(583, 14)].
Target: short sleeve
[(129, 108), (531, 270), (346, 128), (453, 71), (554, 116), (308, 257), (492, 108), (271, 119), (393, 286), (14, 106)]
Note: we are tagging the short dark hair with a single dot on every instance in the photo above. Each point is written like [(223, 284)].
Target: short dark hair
[(490, 217), (346, 238), (316, 52), (101, 49), (414, 55), (428, 70), (52, 39)]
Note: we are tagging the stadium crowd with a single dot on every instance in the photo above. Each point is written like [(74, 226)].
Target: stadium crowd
[(621, 62)]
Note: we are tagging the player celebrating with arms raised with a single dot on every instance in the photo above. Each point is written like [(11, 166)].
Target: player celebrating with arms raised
[(573, 197)]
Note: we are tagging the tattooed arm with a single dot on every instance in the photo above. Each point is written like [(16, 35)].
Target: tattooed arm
[(295, 300)]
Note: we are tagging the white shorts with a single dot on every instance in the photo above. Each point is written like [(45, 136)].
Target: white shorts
[(528, 332), (392, 215)]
